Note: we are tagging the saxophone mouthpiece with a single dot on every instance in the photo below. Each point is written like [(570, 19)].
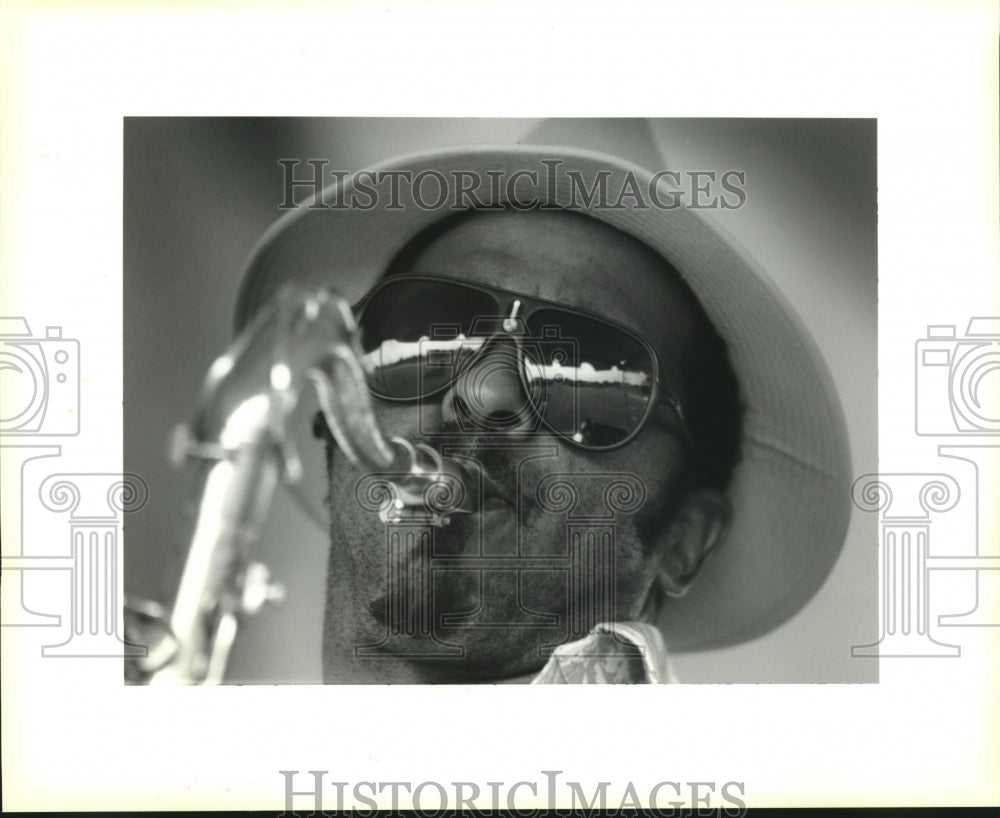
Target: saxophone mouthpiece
[(429, 488)]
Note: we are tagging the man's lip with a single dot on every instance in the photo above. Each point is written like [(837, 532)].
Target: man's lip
[(493, 489)]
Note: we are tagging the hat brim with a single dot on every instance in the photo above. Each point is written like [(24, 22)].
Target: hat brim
[(790, 492)]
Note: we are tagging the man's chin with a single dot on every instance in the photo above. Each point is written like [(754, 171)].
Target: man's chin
[(460, 654)]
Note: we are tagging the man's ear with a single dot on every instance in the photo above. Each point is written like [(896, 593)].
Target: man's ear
[(699, 524)]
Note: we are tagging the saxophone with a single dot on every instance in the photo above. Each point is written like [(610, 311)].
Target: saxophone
[(240, 448)]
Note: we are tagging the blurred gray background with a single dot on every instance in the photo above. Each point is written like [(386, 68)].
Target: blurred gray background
[(199, 192)]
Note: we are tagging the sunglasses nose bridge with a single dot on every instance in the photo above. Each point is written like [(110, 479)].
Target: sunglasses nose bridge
[(489, 392)]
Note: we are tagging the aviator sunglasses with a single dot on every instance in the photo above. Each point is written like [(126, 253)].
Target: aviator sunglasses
[(587, 379)]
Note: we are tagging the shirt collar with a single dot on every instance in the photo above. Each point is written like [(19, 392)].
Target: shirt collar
[(612, 653)]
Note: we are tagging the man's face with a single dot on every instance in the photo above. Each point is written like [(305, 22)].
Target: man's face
[(534, 566)]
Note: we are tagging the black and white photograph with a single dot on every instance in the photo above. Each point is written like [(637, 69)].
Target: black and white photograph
[(543, 417), (446, 407)]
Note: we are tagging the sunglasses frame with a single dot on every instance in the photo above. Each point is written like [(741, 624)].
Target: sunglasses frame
[(526, 305)]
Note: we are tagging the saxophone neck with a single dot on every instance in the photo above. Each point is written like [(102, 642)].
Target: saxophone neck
[(241, 446)]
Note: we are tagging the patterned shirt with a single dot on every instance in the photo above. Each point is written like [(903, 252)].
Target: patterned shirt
[(613, 653)]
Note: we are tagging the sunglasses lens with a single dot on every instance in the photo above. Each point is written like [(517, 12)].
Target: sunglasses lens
[(590, 381), (415, 334)]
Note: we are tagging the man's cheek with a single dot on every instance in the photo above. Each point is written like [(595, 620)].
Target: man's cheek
[(355, 495), (357, 530)]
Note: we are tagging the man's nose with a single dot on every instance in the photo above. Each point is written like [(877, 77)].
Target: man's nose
[(489, 395)]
